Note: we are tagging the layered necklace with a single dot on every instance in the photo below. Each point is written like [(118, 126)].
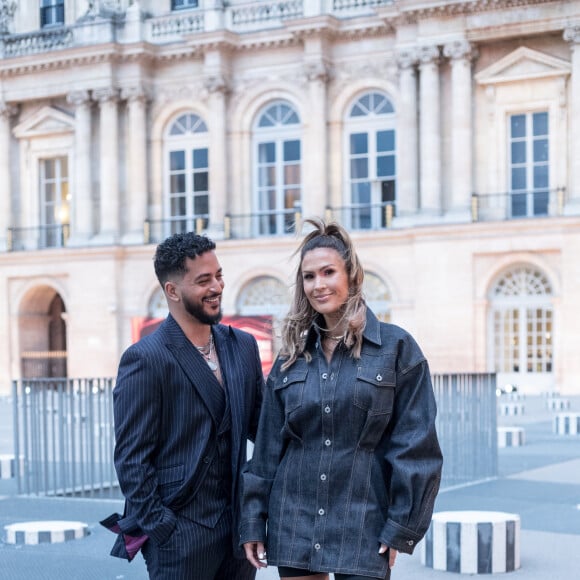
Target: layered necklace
[(206, 352)]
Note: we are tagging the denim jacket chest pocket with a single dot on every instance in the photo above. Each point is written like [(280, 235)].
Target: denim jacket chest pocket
[(374, 390), (289, 386)]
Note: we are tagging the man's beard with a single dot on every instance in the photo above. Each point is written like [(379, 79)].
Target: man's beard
[(197, 311)]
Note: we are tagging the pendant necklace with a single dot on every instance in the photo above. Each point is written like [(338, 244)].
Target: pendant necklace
[(206, 351)]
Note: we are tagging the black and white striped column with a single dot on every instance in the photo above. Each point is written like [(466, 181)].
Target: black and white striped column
[(567, 424), (45, 532), (473, 542), (511, 436)]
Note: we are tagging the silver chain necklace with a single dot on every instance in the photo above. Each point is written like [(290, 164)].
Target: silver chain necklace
[(206, 352)]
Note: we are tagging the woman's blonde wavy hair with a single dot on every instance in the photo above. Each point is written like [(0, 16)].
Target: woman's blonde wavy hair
[(301, 315)]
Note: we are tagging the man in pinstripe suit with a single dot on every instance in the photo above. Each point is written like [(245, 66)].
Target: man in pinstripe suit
[(186, 400)]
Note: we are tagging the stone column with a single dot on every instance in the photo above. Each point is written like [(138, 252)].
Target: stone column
[(82, 198), (461, 53), (572, 35), (314, 196), (6, 112), (407, 198), (137, 196), (109, 164), (430, 131), (217, 88)]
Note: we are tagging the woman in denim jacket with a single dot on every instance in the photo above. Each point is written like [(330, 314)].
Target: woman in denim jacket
[(347, 464)]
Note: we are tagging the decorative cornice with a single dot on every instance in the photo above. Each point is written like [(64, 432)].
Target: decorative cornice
[(428, 54), (459, 50), (135, 94), (407, 57), (106, 95), (572, 34), (317, 71), (217, 83)]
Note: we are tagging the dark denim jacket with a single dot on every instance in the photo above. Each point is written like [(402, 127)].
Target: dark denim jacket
[(346, 456)]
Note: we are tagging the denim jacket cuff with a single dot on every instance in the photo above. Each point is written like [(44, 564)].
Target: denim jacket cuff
[(252, 531), (399, 537)]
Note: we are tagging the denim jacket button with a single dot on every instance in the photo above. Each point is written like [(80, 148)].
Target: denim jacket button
[(320, 512), (317, 546), (285, 380), (379, 377), (323, 477), (324, 376), (410, 542), (327, 409), (327, 442)]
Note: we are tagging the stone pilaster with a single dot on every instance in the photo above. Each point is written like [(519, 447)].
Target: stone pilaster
[(109, 164), (461, 53), (430, 131), (7, 111), (572, 35), (314, 187), (82, 222), (407, 137), (217, 87), (137, 195)]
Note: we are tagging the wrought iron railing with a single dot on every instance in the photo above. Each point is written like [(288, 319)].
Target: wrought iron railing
[(517, 204), (37, 238), (262, 224), (364, 216)]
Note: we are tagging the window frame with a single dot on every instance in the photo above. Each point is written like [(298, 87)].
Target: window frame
[(52, 233), (55, 9)]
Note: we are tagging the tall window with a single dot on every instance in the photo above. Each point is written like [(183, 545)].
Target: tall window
[(371, 154), (522, 322), (183, 4), (277, 169), (187, 199), (51, 12), (529, 164), (54, 202)]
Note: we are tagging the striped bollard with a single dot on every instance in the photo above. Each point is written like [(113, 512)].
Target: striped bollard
[(472, 542), (567, 424), (510, 436)]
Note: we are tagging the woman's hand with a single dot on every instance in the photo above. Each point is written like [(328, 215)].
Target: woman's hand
[(256, 554), (392, 554)]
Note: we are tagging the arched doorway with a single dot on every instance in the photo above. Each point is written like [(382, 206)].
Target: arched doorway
[(42, 329), (522, 329)]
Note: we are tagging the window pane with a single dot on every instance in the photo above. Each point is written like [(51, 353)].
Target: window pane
[(291, 174), (385, 140), (519, 205), (385, 165), (49, 191), (519, 152), (177, 183), (266, 152), (359, 168), (200, 181), (518, 126), (388, 191), (178, 206), (200, 158), (541, 150), (541, 202), (357, 111), (518, 178), (291, 199), (361, 192), (292, 150), (540, 123), (540, 176), (177, 160), (267, 176), (359, 143), (49, 169), (201, 205)]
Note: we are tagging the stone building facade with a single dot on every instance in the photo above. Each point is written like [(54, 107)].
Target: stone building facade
[(444, 135)]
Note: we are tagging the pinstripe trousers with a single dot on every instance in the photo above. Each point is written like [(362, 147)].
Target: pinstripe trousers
[(196, 552)]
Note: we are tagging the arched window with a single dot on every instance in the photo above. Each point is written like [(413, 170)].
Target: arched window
[(522, 323), (377, 296), (371, 158), (277, 168), (187, 175)]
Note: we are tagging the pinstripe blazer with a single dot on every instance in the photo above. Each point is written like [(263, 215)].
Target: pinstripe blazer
[(165, 411)]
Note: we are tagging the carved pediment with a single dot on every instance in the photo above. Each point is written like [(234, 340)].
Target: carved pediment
[(523, 64), (45, 122)]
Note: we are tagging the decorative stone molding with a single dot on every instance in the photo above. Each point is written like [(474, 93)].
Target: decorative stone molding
[(572, 34), (428, 54), (105, 95), (79, 98), (7, 110), (7, 10), (217, 83), (460, 50), (135, 94), (317, 71), (407, 58)]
